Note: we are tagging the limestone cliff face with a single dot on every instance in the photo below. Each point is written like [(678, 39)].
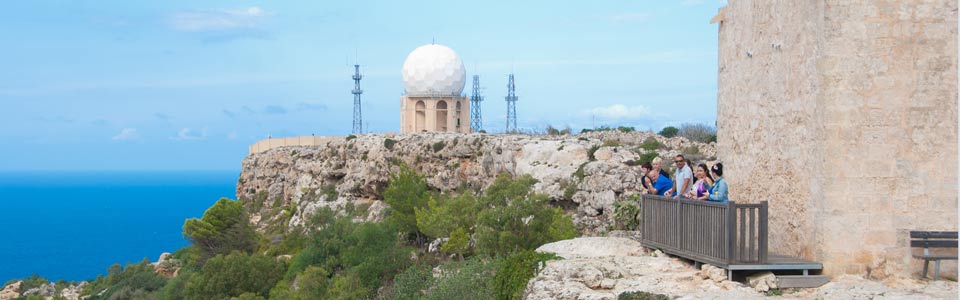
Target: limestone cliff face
[(285, 185)]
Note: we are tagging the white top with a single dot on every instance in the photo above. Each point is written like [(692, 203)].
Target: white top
[(433, 70), (683, 173)]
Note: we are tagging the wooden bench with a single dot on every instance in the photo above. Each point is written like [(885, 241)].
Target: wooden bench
[(934, 240)]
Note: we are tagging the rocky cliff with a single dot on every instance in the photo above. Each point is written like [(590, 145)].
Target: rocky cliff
[(583, 173)]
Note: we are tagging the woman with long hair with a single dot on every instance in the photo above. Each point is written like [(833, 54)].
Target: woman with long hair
[(701, 188)]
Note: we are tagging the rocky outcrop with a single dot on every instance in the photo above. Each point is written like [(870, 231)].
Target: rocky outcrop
[(584, 173), (11, 291), (166, 265), (605, 267)]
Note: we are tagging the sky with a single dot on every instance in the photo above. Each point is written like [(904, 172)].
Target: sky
[(189, 85)]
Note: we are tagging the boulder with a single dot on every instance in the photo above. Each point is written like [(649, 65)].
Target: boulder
[(763, 281)]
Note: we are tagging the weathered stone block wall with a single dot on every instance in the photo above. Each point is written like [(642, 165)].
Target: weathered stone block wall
[(843, 114)]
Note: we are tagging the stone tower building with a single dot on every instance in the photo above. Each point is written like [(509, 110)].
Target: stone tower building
[(433, 80), (442, 114), (843, 115)]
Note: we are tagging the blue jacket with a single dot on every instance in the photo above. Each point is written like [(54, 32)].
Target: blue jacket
[(719, 191), (663, 184)]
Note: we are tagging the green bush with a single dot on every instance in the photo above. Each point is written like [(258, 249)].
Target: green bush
[(350, 137), (511, 218), (650, 144), (232, 275), (388, 143), (625, 215), (406, 192), (580, 173), (638, 295), (223, 228), (136, 281), (669, 131), (468, 280), (515, 271), (459, 243), (438, 146), (413, 283), (611, 143), (626, 129), (591, 151), (440, 218)]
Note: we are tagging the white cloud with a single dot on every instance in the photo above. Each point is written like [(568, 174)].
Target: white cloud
[(218, 20), (126, 134), (190, 134), (619, 112)]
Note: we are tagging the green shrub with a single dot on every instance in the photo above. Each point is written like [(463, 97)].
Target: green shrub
[(650, 144), (669, 132), (711, 138), (459, 243), (638, 295), (225, 276), (438, 146), (406, 192), (413, 283), (579, 173), (591, 151), (569, 191), (626, 129), (468, 280), (515, 271), (512, 219), (136, 281), (440, 218), (388, 143), (350, 137), (625, 215), (611, 143), (223, 228)]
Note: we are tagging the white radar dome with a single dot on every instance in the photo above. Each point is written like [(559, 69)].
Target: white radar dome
[(433, 70)]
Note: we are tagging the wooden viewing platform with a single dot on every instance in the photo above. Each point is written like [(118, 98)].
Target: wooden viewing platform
[(728, 235)]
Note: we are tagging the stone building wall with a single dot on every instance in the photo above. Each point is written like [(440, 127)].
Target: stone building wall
[(843, 114)]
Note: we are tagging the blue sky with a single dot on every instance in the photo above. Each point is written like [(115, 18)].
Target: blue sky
[(188, 85)]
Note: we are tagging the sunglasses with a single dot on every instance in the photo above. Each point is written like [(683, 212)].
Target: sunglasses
[(678, 161)]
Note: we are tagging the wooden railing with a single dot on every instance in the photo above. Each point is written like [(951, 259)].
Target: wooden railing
[(709, 232)]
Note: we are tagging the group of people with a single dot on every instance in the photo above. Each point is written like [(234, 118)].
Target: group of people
[(701, 184)]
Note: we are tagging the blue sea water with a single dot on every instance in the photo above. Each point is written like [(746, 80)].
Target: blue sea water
[(74, 225)]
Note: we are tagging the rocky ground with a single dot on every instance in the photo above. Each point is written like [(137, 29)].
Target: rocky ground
[(604, 267), (584, 173)]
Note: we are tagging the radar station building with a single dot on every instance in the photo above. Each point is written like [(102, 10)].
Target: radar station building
[(433, 80)]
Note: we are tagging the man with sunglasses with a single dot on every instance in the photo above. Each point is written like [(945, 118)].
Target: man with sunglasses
[(683, 178)]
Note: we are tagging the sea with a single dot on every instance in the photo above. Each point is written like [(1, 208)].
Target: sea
[(74, 225)]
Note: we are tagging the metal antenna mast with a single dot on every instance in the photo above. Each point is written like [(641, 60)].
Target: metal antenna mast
[(357, 114), (476, 124), (511, 105)]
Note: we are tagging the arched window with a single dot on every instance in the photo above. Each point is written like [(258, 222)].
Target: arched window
[(441, 115), (457, 115), (421, 121)]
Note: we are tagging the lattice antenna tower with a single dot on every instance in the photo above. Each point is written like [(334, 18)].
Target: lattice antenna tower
[(511, 105), (357, 111), (476, 123)]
